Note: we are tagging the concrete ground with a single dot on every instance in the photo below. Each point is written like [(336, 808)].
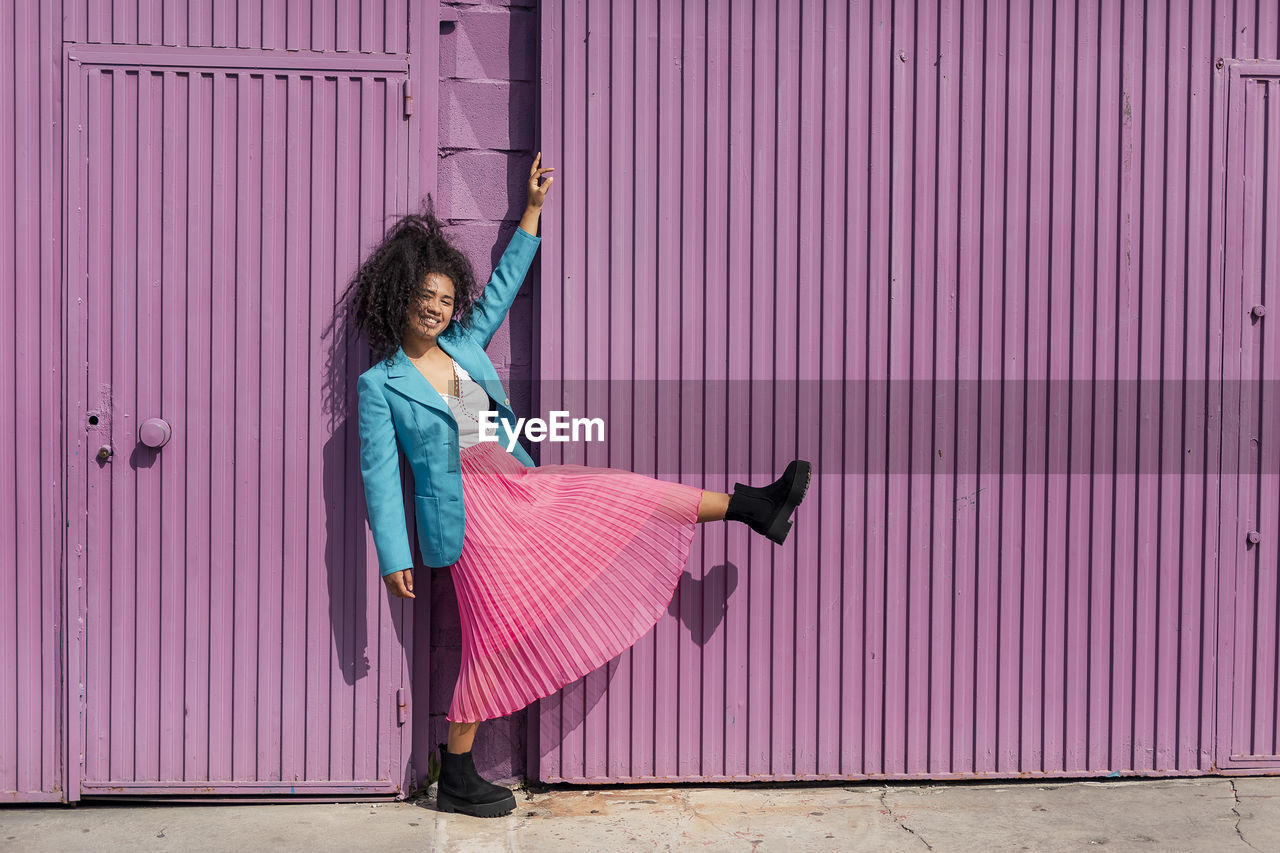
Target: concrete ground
[(1212, 814)]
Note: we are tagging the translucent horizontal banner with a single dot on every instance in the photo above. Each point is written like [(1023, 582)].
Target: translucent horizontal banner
[(740, 427)]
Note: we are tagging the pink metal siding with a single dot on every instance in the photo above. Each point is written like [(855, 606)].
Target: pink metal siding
[(887, 197), (1249, 716), (316, 25), (232, 634), (179, 670), (31, 511), (967, 258)]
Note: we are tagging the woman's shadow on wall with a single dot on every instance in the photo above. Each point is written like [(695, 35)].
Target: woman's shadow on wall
[(699, 604), (345, 548)]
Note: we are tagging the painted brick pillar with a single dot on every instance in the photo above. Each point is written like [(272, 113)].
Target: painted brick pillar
[(488, 112)]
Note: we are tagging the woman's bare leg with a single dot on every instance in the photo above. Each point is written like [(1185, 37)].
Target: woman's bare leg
[(713, 506), (461, 736)]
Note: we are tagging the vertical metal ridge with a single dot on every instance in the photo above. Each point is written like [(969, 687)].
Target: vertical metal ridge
[(11, 641), (1173, 368), (50, 449), (12, 645), (1129, 356), (125, 204), (1074, 670), (947, 83), (1189, 720), (813, 406), (317, 332), (707, 752), (772, 133), (962, 28), (633, 448), (1088, 664), (853, 736), (291, 321), (151, 390), (188, 412)]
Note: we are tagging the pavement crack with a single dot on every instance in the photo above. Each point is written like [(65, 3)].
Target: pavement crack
[(1235, 810), (694, 812), (900, 821)]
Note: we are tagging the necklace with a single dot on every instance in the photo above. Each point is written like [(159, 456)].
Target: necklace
[(457, 393)]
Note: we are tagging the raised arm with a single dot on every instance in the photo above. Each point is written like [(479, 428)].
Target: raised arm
[(492, 306), (488, 312)]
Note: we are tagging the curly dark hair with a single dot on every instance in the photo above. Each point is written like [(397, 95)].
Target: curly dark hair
[(378, 296)]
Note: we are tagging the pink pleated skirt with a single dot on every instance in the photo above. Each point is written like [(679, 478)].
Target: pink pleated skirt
[(563, 568)]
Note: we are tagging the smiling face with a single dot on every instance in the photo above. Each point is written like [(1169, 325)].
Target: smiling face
[(431, 310)]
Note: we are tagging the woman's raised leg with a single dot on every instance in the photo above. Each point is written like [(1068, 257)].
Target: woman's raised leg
[(713, 506)]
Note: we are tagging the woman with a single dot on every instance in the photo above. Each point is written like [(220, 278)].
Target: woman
[(557, 569)]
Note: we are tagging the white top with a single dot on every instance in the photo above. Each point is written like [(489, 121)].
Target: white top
[(470, 409)]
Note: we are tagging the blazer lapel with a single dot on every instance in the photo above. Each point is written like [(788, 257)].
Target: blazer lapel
[(408, 380)]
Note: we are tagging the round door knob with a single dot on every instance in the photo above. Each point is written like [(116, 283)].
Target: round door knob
[(1259, 311), (1254, 537), (155, 432)]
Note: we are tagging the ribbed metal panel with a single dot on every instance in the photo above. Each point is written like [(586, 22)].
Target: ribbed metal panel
[(1249, 727), (322, 25), (32, 522), (347, 48), (967, 258), (230, 636)]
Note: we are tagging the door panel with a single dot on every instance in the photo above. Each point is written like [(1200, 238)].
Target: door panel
[(1252, 279), (233, 631)]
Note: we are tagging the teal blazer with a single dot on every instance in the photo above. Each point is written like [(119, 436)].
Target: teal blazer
[(400, 409)]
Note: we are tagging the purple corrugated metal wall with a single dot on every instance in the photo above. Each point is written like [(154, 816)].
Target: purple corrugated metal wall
[(1249, 690), (907, 174), (31, 511), (231, 636), (339, 26), (967, 258), (218, 171)]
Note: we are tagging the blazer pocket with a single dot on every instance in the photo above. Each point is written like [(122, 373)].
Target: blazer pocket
[(427, 509)]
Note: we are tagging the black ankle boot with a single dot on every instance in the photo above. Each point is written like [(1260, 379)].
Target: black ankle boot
[(461, 789), (767, 510)]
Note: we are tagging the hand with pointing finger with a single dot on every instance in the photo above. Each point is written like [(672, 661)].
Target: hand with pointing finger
[(537, 195), (537, 190)]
